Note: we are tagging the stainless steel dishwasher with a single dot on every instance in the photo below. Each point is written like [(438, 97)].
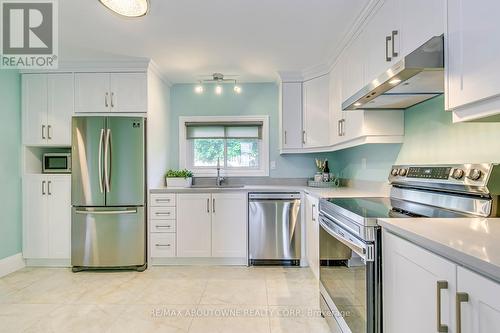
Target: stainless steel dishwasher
[(274, 229)]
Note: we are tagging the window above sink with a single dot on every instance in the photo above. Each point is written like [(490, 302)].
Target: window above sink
[(240, 144)]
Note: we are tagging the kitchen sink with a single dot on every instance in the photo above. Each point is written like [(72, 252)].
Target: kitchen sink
[(216, 187)]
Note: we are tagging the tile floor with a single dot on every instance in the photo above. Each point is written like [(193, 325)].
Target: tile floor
[(162, 299)]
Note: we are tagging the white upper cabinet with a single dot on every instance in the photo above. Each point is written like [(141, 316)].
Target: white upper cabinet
[(479, 303), (316, 112), (128, 92), (229, 225), (420, 20), (47, 101), (34, 105), (115, 92), (354, 66), (92, 92), (382, 40), (473, 59), (60, 108), (291, 115)]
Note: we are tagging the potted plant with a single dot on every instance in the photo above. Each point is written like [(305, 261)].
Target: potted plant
[(179, 178)]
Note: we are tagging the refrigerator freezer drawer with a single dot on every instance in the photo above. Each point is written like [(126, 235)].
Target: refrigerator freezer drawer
[(108, 237)]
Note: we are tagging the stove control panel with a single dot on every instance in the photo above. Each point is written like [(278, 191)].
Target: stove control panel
[(429, 172)]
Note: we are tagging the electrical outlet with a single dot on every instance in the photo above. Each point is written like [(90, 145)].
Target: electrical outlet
[(273, 165)]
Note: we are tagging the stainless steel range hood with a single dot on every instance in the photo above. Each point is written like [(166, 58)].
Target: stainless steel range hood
[(414, 79)]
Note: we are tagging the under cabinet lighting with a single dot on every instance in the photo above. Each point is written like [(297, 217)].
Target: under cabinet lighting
[(128, 8), (394, 81), (237, 89), (218, 90), (198, 89), (357, 104)]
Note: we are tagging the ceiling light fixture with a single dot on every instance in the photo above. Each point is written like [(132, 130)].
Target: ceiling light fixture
[(128, 8), (218, 79)]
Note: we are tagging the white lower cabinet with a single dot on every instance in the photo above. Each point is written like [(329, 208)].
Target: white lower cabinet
[(212, 225), (47, 216), (421, 291), (312, 233), (162, 245), (229, 225), (194, 225), (480, 313)]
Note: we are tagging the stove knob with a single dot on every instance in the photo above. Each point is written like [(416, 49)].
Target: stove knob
[(457, 174), (403, 172), (475, 174), (394, 172)]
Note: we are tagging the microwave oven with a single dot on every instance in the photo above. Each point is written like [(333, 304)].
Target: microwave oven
[(56, 163)]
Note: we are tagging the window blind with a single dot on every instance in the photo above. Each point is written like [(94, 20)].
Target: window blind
[(233, 130)]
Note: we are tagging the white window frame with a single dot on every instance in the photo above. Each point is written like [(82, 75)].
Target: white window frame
[(185, 146)]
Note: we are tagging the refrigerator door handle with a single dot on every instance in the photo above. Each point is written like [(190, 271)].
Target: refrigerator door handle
[(107, 157), (100, 160), (106, 212)]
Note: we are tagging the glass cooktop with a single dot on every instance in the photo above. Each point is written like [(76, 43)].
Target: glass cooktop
[(368, 208)]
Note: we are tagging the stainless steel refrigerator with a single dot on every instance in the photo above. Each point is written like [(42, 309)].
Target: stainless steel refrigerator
[(108, 227)]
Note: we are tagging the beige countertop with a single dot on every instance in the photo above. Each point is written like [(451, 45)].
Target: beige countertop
[(471, 242), (317, 192)]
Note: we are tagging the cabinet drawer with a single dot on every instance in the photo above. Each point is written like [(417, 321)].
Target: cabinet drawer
[(163, 200), (162, 226), (162, 213), (162, 245)]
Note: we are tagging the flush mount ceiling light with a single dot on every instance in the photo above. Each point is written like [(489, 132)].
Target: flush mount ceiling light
[(218, 79), (128, 8)]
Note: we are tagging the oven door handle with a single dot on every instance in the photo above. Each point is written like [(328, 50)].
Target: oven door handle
[(365, 251)]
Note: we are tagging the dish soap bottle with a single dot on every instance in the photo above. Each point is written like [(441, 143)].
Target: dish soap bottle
[(326, 172)]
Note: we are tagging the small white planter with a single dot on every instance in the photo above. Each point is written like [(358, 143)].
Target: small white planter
[(179, 182)]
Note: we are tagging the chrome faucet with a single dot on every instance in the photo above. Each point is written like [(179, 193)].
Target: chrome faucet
[(219, 179)]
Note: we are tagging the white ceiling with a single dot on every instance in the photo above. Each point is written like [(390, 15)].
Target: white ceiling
[(188, 38)]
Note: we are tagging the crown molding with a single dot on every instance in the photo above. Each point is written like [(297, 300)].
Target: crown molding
[(290, 76), (153, 67)]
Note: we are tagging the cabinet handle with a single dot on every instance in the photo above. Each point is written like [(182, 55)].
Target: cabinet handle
[(43, 187), (48, 132), (461, 298), (162, 213), (163, 226), (312, 209), (213, 205), (48, 187), (304, 137), (339, 128), (163, 245), (285, 138), (106, 99), (112, 103), (440, 285), (394, 34), (43, 132), (208, 205), (162, 200), (387, 40)]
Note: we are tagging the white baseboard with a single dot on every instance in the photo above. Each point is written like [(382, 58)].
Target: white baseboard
[(48, 262), (199, 261), (11, 264)]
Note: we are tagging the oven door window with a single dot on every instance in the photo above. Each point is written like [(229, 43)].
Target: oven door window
[(56, 163), (344, 274)]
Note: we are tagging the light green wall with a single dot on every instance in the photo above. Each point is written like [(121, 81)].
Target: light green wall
[(10, 150), (255, 99), (430, 137)]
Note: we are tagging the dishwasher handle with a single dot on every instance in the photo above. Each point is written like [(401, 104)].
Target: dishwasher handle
[(274, 196)]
